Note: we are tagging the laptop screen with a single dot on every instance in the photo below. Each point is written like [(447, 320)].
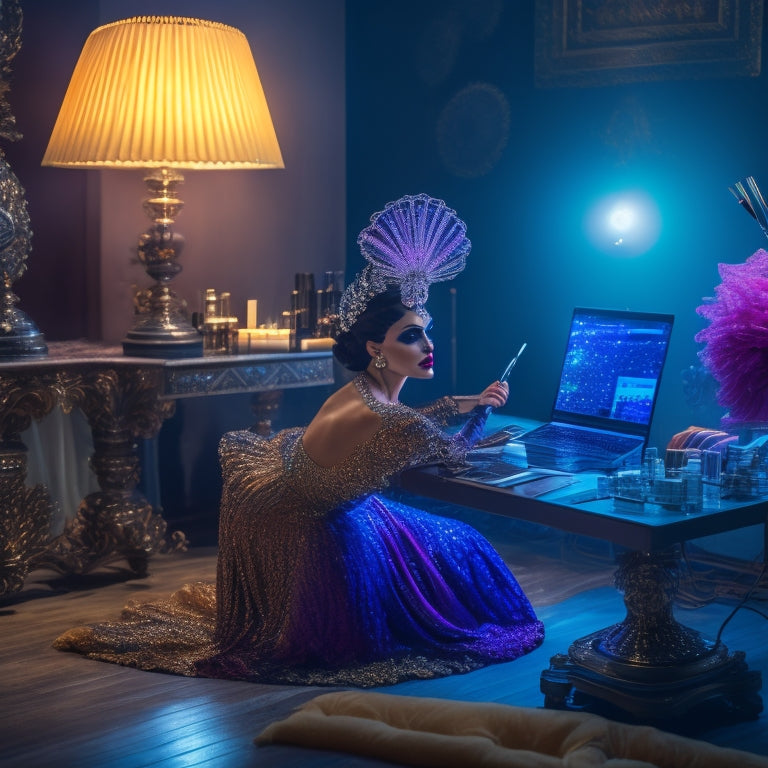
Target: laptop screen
[(612, 368)]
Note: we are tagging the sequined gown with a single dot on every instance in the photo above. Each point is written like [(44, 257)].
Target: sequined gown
[(321, 580)]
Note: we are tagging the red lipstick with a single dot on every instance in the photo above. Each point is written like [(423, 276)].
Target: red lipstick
[(427, 362)]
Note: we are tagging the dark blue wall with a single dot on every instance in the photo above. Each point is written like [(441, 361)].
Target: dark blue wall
[(681, 143)]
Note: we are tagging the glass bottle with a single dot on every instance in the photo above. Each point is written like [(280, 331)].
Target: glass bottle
[(693, 499)]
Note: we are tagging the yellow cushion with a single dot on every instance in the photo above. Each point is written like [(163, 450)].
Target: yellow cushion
[(454, 734)]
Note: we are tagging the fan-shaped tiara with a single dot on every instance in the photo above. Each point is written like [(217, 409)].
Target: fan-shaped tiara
[(414, 242)]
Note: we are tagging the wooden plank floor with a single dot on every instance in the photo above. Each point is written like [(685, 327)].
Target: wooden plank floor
[(63, 711)]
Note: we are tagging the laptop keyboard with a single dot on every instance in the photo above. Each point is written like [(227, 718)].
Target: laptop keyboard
[(576, 447)]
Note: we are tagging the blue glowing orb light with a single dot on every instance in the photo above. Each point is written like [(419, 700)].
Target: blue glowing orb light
[(624, 224)]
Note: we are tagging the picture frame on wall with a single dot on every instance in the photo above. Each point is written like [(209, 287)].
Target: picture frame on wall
[(606, 42)]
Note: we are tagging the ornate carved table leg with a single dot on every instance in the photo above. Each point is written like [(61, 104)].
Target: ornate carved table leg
[(25, 513), (116, 521), (265, 405), (649, 665), (26, 521)]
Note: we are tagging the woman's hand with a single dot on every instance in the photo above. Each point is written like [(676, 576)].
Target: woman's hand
[(494, 395)]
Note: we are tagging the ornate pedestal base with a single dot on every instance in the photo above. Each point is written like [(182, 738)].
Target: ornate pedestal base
[(110, 526), (649, 666)]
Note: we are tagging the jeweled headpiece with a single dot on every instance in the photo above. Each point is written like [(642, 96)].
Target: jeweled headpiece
[(412, 243)]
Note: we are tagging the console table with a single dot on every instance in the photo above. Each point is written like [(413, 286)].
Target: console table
[(123, 399), (648, 666)]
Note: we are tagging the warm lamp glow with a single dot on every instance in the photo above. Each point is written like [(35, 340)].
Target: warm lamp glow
[(164, 92)]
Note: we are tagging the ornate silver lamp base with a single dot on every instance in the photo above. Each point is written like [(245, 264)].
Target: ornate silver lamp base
[(162, 327), (19, 336), (166, 347), (163, 340), (649, 667)]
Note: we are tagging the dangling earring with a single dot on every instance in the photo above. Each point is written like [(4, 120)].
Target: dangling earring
[(379, 361)]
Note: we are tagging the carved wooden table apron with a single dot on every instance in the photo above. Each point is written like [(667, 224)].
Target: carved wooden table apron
[(123, 398)]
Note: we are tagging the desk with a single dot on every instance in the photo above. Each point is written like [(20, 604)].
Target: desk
[(123, 399), (648, 665)]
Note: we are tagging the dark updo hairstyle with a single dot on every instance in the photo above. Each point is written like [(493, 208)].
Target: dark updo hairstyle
[(382, 312)]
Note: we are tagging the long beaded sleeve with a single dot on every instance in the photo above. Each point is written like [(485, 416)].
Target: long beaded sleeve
[(443, 412)]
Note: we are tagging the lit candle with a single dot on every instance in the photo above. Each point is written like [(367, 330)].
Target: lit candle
[(323, 343), (251, 316)]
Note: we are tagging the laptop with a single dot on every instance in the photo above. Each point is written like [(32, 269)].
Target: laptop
[(609, 383)]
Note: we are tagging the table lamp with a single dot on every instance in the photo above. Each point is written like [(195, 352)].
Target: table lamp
[(164, 93)]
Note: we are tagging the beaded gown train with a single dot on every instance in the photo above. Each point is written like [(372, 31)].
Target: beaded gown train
[(321, 580)]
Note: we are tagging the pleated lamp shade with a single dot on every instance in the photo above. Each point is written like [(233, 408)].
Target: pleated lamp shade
[(164, 92)]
